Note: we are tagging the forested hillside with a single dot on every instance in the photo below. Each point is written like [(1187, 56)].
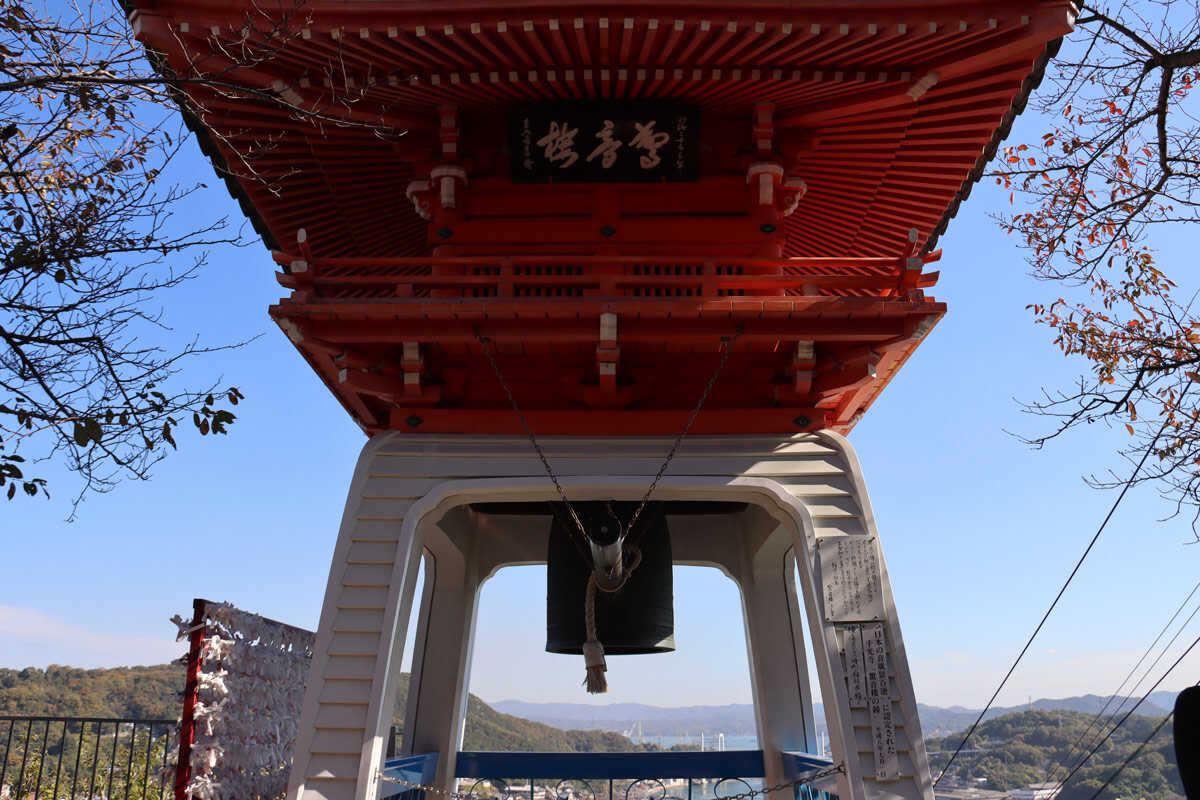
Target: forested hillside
[(154, 693), (1029, 747), (488, 729), (130, 692)]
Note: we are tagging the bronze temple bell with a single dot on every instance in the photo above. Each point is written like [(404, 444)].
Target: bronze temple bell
[(639, 617)]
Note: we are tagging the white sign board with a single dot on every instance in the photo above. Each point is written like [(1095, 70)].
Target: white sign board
[(856, 674), (879, 703), (850, 577)]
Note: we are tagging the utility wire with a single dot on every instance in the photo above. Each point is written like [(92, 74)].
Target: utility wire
[(1132, 756), (1114, 729), (1054, 604), (1075, 746), (1134, 691), (1146, 674)]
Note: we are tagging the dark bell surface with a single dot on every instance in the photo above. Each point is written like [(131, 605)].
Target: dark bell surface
[(637, 619)]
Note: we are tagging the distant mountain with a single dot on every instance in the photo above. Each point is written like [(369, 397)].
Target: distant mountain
[(489, 729), (738, 719), (732, 720), (937, 721), (1162, 699)]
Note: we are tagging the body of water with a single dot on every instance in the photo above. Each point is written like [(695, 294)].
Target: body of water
[(741, 742)]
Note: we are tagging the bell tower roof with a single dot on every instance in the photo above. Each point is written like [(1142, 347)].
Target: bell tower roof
[(601, 194)]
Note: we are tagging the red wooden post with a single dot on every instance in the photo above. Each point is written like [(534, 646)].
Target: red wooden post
[(187, 723)]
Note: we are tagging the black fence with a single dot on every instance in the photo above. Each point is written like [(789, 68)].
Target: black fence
[(86, 758)]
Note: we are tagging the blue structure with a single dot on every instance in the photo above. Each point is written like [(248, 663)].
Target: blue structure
[(735, 767)]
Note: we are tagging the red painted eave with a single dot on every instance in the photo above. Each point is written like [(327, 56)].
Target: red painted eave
[(888, 112), (885, 149)]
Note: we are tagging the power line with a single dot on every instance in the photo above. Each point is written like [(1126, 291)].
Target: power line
[(1114, 729), (1132, 756), (1149, 669), (1054, 604), (1075, 746)]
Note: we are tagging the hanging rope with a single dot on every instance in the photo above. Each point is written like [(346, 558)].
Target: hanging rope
[(593, 650)]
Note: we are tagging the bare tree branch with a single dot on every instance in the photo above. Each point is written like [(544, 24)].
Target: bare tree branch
[(89, 377), (1115, 167)]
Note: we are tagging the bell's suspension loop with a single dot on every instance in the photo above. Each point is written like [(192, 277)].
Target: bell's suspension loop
[(608, 563)]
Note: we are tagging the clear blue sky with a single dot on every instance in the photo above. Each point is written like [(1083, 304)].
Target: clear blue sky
[(978, 530)]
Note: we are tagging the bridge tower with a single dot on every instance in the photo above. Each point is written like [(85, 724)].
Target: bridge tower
[(494, 220)]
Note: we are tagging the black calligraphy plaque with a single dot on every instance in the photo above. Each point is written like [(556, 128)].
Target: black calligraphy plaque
[(634, 141)]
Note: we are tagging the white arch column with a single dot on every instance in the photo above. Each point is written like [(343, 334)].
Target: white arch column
[(804, 494), (437, 695), (783, 700)]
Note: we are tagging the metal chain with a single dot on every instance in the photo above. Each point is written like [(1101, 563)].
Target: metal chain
[(487, 351), (806, 778), (712, 381), (728, 348)]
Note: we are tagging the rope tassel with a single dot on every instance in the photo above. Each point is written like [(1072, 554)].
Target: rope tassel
[(593, 656), (593, 652)]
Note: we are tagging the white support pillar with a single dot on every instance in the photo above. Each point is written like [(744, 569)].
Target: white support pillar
[(778, 666), (437, 695), (761, 562)]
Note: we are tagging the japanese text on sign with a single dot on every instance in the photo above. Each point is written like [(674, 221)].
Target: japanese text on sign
[(856, 676), (850, 576), (879, 703), (604, 141)]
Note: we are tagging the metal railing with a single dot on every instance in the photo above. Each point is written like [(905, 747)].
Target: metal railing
[(86, 758), (598, 776)]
